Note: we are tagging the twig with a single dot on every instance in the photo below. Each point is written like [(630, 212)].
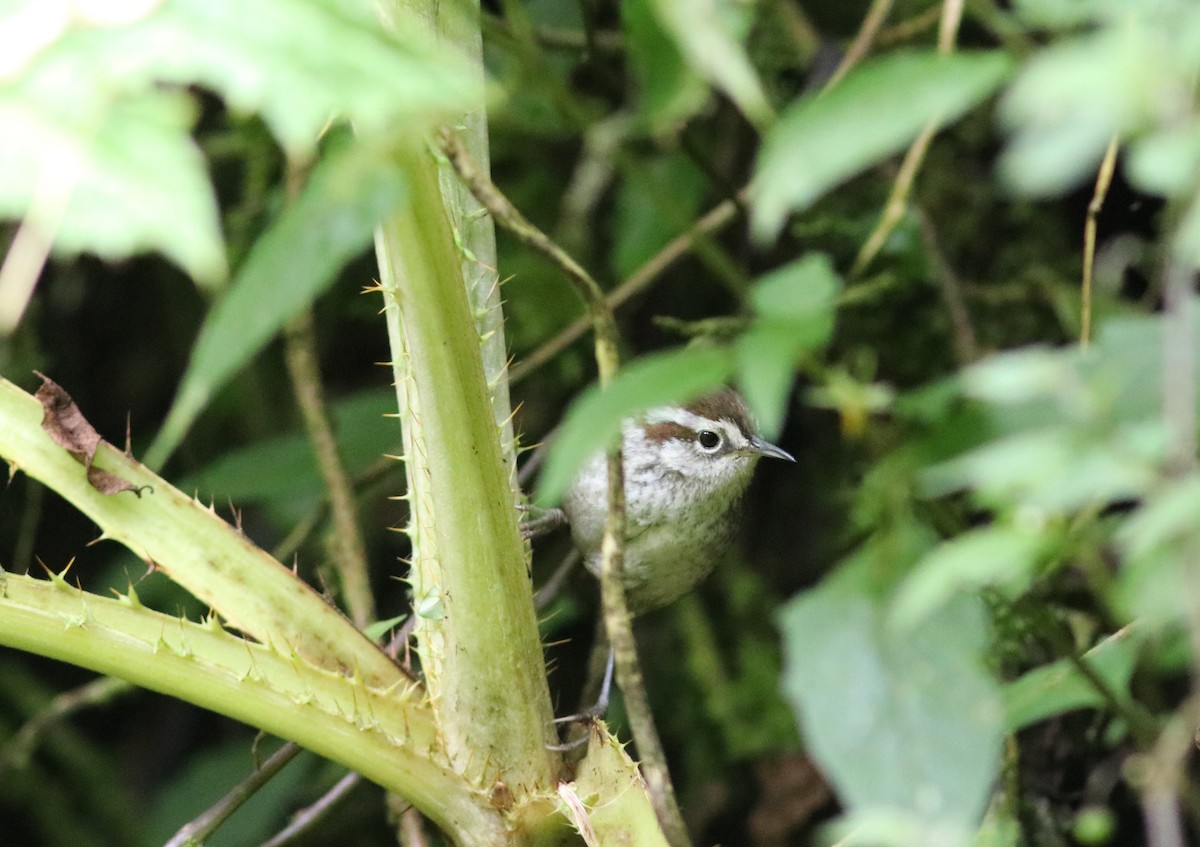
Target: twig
[(412, 829), (559, 38), (908, 28), (966, 348), (1108, 166), (616, 611), (591, 177), (309, 816), (897, 201), (30, 247), (1158, 774), (16, 750), (204, 825), (861, 45), (950, 18), (349, 552), (640, 279)]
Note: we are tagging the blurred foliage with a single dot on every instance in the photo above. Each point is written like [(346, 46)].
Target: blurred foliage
[(1009, 522)]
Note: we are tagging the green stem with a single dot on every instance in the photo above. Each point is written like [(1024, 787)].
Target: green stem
[(388, 735), (478, 633), (193, 546)]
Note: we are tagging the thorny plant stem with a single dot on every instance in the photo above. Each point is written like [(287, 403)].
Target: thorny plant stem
[(1104, 178), (346, 544), (616, 611)]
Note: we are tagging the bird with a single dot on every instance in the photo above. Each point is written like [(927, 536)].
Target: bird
[(686, 468)]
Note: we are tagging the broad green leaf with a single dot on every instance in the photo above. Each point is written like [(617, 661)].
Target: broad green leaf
[(300, 63), (794, 307), (1019, 376), (669, 92), (1187, 238), (102, 172), (1055, 468), (905, 721), (660, 200), (1060, 686), (994, 555), (1068, 14), (1061, 127), (880, 107), (1158, 544), (594, 419), (299, 257), (99, 152), (284, 470), (708, 33), (1167, 162)]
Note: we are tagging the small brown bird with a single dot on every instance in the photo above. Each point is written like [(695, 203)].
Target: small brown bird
[(686, 469)]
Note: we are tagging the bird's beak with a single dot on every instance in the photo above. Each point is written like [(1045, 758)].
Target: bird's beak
[(766, 448)]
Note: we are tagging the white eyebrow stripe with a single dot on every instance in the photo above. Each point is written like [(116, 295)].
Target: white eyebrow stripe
[(667, 414)]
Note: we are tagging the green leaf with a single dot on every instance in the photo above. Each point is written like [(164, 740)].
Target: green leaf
[(1158, 544), (904, 721), (880, 107), (115, 175), (658, 202), (795, 307), (299, 257), (1143, 59), (299, 63), (708, 33), (1167, 162), (668, 91), (379, 629), (595, 418), (994, 555), (1060, 686), (1055, 468), (284, 470)]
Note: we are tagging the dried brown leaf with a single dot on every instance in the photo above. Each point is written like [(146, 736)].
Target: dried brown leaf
[(69, 429)]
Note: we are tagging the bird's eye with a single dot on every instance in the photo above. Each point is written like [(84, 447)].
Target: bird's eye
[(708, 440)]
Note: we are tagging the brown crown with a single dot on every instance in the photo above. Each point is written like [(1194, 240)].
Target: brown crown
[(725, 404)]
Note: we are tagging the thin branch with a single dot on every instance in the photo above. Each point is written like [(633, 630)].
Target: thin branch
[(412, 829), (197, 830), (966, 347), (861, 45), (30, 247), (17, 750), (638, 281), (348, 549), (303, 530), (897, 202), (616, 611), (310, 816), (1104, 178), (909, 28), (950, 18)]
